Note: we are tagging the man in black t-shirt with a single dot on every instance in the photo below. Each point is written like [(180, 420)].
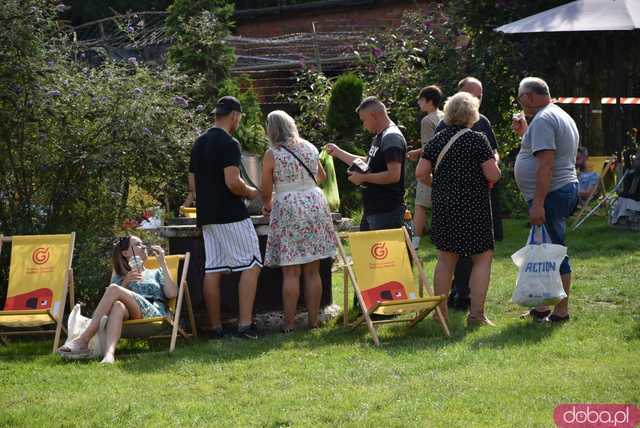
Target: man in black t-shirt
[(381, 173), (231, 243), (459, 297)]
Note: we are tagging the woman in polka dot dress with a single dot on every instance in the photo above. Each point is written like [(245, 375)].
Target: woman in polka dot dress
[(462, 223)]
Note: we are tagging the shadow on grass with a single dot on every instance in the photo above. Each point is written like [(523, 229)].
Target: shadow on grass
[(151, 356), (519, 333)]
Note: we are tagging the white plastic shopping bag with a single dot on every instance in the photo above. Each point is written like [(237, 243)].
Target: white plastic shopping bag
[(538, 262), (77, 323)]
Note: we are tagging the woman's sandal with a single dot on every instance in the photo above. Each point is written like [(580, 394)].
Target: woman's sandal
[(71, 351)]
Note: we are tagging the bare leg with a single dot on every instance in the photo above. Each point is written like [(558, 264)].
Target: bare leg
[(562, 308), (247, 295), (442, 275), (312, 291), (113, 293), (479, 283), (290, 294), (420, 220), (211, 294), (117, 316)]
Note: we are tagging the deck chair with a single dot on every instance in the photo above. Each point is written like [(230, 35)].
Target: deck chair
[(607, 166), (40, 279), (383, 280), (157, 327)]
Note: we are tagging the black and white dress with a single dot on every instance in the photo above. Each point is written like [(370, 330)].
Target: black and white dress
[(461, 221)]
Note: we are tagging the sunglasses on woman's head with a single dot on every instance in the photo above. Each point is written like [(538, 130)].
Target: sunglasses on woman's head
[(123, 242)]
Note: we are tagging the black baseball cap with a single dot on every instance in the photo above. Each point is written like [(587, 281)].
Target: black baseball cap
[(226, 105)]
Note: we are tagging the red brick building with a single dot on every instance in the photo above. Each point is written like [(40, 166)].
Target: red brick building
[(275, 41)]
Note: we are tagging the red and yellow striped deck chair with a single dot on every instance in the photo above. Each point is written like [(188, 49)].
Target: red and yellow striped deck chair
[(40, 278), (383, 280), (157, 327)]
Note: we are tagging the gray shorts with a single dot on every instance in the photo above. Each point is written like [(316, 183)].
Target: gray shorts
[(423, 195)]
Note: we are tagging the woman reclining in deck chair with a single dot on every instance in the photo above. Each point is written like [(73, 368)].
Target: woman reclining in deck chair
[(134, 293)]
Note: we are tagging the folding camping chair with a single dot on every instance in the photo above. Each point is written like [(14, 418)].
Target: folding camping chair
[(156, 327), (383, 280), (40, 278), (607, 167)]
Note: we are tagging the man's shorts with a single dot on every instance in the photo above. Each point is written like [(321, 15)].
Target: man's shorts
[(558, 206), (423, 195), (231, 247)]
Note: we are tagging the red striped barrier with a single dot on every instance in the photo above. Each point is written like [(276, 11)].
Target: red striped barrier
[(605, 100)]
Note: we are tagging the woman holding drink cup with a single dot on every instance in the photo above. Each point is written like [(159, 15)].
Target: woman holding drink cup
[(134, 293)]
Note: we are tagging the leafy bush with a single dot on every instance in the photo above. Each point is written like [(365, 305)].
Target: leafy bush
[(74, 138), (346, 95)]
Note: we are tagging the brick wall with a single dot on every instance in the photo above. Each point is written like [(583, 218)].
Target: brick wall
[(383, 13)]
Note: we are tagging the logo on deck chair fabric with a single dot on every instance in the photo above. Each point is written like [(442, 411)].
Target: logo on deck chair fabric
[(36, 299), (391, 290), (40, 255), (379, 251)]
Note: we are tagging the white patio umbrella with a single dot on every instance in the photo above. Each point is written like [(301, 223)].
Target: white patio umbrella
[(581, 15)]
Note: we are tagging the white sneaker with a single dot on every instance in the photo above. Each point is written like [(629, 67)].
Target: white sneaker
[(415, 241)]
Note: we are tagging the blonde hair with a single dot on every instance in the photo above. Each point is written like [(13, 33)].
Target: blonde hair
[(461, 109), (281, 129)]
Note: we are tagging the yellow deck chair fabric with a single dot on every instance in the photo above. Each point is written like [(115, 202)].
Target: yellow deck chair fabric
[(156, 327), (383, 278), (40, 278)]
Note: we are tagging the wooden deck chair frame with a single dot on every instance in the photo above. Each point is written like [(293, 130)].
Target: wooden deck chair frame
[(600, 188), (130, 326), (349, 276), (68, 292)]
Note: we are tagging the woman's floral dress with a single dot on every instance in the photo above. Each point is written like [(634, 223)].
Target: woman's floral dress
[(300, 229), (148, 292)]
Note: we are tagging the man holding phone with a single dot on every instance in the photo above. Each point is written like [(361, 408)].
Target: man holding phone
[(381, 173)]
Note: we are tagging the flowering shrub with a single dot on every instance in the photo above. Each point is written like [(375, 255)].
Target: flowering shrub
[(75, 138)]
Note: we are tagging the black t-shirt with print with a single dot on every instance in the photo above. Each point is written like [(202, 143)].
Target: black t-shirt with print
[(387, 146), (211, 154)]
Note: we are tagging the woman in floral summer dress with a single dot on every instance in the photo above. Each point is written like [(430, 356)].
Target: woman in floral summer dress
[(300, 228)]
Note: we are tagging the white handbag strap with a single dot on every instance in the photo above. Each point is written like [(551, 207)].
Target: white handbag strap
[(446, 148)]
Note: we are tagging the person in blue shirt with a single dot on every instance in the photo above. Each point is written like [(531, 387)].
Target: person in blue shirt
[(587, 180)]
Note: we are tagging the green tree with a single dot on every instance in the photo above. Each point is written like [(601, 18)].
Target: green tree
[(199, 28), (200, 52), (74, 139)]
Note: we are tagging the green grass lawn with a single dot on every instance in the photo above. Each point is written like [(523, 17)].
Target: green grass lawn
[(513, 375)]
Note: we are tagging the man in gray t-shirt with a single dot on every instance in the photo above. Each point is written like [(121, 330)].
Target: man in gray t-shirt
[(551, 129), (546, 175)]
